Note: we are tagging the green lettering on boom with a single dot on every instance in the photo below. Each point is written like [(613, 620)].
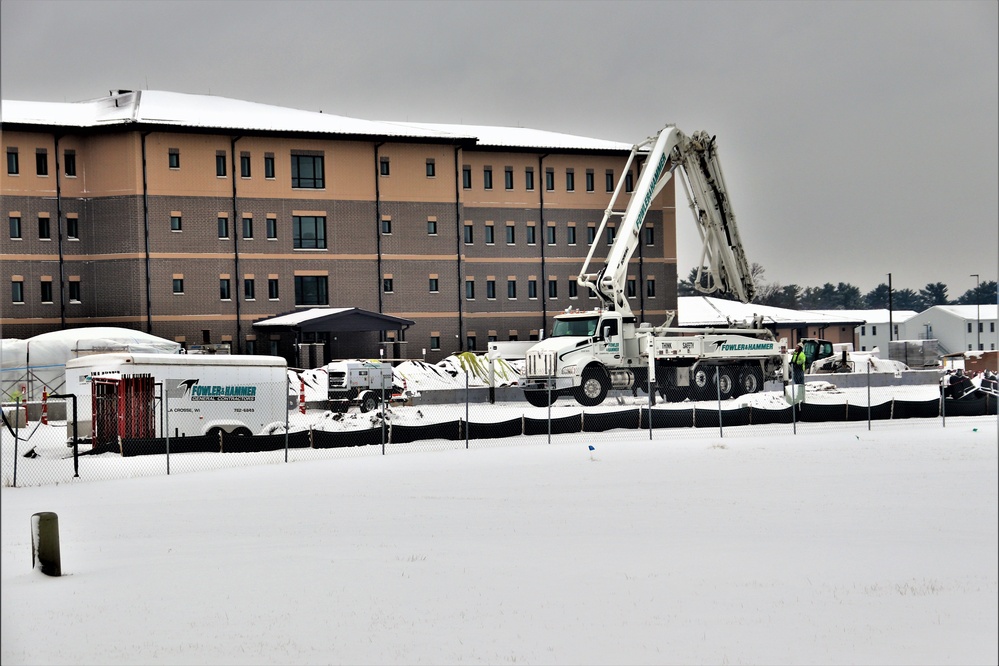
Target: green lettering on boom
[(648, 195)]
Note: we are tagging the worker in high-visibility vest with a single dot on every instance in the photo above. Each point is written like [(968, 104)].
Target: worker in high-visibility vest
[(798, 364)]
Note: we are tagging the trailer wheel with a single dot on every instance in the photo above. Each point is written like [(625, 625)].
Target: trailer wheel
[(242, 432), (369, 401), (701, 383), (726, 383), (593, 389), (750, 380), (540, 398)]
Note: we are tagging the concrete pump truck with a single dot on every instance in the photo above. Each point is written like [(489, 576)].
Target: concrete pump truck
[(588, 353)]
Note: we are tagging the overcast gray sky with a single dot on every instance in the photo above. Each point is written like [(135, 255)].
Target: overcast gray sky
[(857, 138)]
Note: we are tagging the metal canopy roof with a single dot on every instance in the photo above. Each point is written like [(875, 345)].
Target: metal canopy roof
[(333, 320)]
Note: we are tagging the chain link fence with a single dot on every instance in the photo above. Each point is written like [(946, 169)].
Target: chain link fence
[(140, 428)]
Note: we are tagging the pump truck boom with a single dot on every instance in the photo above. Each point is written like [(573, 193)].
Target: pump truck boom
[(589, 353)]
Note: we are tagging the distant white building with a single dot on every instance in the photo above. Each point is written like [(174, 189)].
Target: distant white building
[(957, 328), (873, 332)]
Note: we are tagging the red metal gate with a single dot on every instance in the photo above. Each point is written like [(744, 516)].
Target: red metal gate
[(123, 408)]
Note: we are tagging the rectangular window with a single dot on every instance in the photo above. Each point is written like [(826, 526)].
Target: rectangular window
[(650, 235), (650, 287), (571, 235), (271, 228), (508, 178), (629, 182), (248, 227), (308, 232), (466, 177), (69, 163), (435, 343), (491, 289), (220, 163), (863, 330), (470, 343), (73, 228), (550, 232), (176, 223), (224, 289), (13, 168), (388, 285), (431, 168), (589, 180), (383, 166), (435, 285), (468, 234), (573, 288), (487, 177), (611, 232), (591, 234), (173, 158), (272, 289), (310, 290), (874, 330), (74, 291), (570, 180), (41, 162), (223, 227), (44, 230), (532, 288), (511, 289), (510, 234), (532, 235), (490, 234), (386, 226), (632, 288), (268, 166), (178, 285), (15, 226), (46, 292), (550, 179), (431, 227), (249, 289), (16, 291), (307, 172), (552, 289), (609, 180), (244, 165), (470, 289), (529, 179)]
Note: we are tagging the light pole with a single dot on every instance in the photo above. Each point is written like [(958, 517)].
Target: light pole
[(891, 324), (978, 315)]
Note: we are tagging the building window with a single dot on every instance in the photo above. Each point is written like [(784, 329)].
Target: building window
[(529, 179), (268, 166), (589, 180), (611, 231), (431, 227), (16, 291), (272, 289), (609, 180), (468, 234), (383, 166), (310, 290), (15, 226), (552, 289), (13, 168), (650, 235), (431, 168), (550, 233), (508, 178), (863, 330), (435, 285), (487, 177), (46, 292), (629, 184), (650, 287), (220, 163), (571, 235), (251, 346), (491, 289), (490, 234), (510, 234), (73, 228), (308, 232), (532, 288), (307, 172), (244, 165), (874, 330), (388, 285), (435, 343), (224, 289), (223, 227), (69, 163), (511, 289), (466, 177), (271, 228), (176, 223), (573, 288), (178, 285), (248, 227), (570, 180), (470, 290), (173, 158), (42, 162), (591, 234), (74, 292), (632, 288), (470, 343), (532, 235), (45, 231), (550, 179), (386, 226)]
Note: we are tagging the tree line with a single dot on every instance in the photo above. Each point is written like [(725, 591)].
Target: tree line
[(846, 296)]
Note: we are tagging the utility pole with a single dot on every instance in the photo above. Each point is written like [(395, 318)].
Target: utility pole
[(978, 315), (891, 323)]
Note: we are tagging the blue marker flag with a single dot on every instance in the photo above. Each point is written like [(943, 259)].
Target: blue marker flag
[(591, 448)]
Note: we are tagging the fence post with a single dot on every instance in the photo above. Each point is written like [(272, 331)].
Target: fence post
[(869, 394), (466, 408), (45, 543), (721, 432), (45, 407), (287, 392)]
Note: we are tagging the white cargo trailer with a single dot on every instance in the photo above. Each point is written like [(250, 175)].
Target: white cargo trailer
[(201, 394)]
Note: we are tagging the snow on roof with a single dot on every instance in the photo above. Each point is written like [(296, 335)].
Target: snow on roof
[(297, 318), (708, 311), (157, 107), (876, 315), (969, 311)]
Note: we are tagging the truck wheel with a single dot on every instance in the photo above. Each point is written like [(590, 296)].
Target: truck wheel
[(702, 383), (726, 383), (369, 402), (750, 380), (540, 398), (593, 389)]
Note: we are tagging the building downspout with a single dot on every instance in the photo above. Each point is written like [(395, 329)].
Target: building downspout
[(543, 232), (378, 235), (62, 259), (237, 224), (145, 233), (457, 250)]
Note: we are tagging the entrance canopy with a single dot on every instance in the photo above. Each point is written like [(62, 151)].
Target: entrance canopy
[(332, 320)]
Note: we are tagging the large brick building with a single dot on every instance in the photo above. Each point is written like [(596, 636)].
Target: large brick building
[(192, 217)]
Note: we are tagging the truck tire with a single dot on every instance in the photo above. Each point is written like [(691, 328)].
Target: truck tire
[(727, 388), (750, 380), (540, 398), (369, 401), (702, 384), (593, 389)]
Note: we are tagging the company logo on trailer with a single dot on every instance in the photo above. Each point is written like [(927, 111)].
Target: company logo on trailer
[(215, 392)]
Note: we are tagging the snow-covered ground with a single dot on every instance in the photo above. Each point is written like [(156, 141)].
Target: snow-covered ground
[(836, 545)]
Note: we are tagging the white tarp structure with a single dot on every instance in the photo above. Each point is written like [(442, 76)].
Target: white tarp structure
[(39, 363)]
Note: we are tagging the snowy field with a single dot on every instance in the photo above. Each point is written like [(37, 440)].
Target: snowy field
[(838, 545)]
